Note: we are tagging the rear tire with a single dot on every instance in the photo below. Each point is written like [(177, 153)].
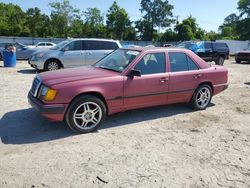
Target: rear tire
[(202, 97), (52, 65), (220, 61), (238, 61), (85, 114)]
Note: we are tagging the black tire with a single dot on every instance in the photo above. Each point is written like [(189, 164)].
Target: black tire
[(238, 61), (220, 60), (52, 65), (202, 89), (1, 57), (86, 115)]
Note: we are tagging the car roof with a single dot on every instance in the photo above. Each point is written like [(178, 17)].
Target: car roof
[(156, 49), (95, 39)]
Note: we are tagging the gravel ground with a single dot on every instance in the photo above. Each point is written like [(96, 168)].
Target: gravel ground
[(170, 146)]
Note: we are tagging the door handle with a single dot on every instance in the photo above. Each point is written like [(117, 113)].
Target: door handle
[(88, 53), (196, 76), (163, 80)]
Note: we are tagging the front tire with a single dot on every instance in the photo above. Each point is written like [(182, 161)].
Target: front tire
[(86, 113), (220, 61), (52, 65), (202, 97)]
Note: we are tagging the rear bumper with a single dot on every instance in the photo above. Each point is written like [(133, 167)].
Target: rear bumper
[(242, 58), (219, 88), (54, 112)]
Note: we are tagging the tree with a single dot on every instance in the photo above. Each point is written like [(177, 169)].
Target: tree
[(94, 26), (117, 21), (244, 7), (157, 13), (38, 24), (93, 16), (62, 16), (12, 20), (189, 30)]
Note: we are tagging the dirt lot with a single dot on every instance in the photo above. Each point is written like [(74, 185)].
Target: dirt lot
[(169, 146)]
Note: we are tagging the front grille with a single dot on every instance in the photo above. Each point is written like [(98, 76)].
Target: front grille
[(35, 86)]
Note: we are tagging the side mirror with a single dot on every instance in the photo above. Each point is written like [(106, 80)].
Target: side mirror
[(134, 72), (65, 49)]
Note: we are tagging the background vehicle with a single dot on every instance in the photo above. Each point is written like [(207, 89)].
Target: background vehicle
[(73, 53), (43, 45), (208, 51), (126, 79), (243, 56), (22, 51)]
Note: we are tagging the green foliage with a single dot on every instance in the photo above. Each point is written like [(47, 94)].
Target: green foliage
[(117, 21), (237, 27), (157, 13), (244, 7), (62, 17), (189, 30), (12, 20)]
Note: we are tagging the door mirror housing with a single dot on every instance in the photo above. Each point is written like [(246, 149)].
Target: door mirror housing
[(134, 72)]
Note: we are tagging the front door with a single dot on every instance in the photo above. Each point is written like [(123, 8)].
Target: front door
[(72, 55), (151, 88)]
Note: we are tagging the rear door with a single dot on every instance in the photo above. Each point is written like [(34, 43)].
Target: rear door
[(72, 55), (184, 77), (151, 88), (95, 50)]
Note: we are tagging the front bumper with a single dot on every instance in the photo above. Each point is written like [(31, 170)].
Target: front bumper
[(37, 64), (54, 112)]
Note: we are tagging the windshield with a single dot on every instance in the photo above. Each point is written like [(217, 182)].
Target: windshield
[(117, 60), (185, 45), (60, 45)]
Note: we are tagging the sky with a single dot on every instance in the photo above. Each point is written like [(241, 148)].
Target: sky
[(209, 14)]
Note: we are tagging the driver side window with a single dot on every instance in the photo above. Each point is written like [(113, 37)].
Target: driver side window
[(152, 63), (74, 46)]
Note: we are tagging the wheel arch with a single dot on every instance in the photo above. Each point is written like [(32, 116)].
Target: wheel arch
[(55, 59), (91, 93), (207, 83)]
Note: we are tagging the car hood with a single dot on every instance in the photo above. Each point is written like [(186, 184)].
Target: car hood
[(75, 74), (44, 51)]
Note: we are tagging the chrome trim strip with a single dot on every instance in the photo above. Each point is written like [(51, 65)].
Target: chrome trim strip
[(219, 85)]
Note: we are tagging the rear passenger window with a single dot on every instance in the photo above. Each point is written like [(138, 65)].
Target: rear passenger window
[(100, 45), (152, 64), (191, 64), (181, 62)]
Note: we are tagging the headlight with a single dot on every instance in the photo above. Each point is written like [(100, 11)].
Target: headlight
[(47, 94), (39, 55)]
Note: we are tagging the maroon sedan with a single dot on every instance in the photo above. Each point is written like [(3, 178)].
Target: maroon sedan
[(126, 79)]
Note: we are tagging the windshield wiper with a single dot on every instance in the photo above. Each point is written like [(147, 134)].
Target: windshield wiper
[(107, 68)]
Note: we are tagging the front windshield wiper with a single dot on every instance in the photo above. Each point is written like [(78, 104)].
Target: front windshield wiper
[(107, 68)]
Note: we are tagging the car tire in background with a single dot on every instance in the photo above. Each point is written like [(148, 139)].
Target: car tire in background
[(202, 97), (86, 113), (220, 61), (238, 61), (52, 65)]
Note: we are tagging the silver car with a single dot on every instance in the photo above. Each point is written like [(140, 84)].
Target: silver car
[(73, 53)]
